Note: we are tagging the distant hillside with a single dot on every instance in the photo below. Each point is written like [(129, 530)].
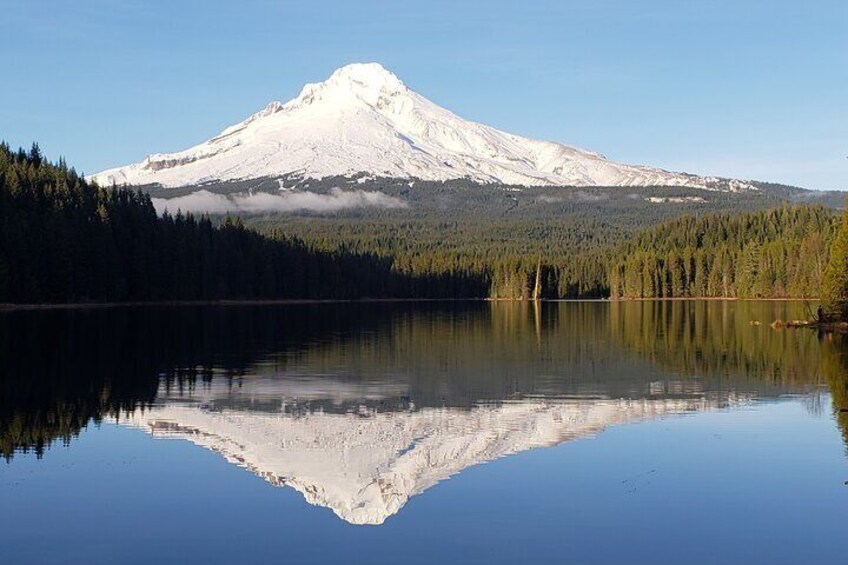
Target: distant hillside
[(367, 197)]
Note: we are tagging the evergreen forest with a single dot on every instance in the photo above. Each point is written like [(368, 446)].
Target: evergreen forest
[(65, 240)]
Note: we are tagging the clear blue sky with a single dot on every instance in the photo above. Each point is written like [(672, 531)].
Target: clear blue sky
[(749, 89)]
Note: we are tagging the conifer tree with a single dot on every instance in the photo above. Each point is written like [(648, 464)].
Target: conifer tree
[(835, 284)]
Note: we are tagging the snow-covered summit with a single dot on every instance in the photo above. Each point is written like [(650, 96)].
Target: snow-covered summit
[(364, 119), (366, 82)]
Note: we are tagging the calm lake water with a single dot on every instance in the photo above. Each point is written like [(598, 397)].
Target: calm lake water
[(662, 432)]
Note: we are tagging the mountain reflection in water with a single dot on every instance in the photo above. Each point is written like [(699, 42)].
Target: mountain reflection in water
[(361, 406), (365, 465)]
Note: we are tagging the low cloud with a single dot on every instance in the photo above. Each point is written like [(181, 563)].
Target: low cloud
[(207, 202), (577, 195), (583, 196), (544, 198)]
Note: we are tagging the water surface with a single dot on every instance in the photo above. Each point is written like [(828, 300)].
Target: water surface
[(404, 432)]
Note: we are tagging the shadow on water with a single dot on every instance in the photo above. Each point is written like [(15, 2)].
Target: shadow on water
[(62, 369)]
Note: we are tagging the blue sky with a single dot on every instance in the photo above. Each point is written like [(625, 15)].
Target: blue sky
[(748, 89)]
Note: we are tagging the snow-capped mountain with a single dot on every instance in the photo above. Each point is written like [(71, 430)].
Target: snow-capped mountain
[(364, 120)]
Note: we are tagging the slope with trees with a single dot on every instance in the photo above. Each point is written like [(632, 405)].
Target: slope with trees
[(63, 239)]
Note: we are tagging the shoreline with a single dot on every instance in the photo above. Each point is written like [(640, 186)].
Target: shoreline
[(10, 307), (832, 327), (188, 303)]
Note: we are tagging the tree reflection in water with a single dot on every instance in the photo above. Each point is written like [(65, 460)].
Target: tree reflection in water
[(63, 369)]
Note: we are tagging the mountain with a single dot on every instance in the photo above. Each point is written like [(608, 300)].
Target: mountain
[(363, 121)]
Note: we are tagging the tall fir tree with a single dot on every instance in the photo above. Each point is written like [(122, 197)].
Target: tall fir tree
[(835, 284)]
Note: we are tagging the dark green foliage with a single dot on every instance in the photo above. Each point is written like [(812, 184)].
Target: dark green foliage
[(775, 253), (772, 254), (65, 240), (835, 285), (503, 253)]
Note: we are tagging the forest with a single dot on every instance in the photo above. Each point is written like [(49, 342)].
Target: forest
[(776, 253), (63, 240)]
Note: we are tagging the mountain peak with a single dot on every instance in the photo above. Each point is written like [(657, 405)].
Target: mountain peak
[(371, 74), (367, 82), (363, 119)]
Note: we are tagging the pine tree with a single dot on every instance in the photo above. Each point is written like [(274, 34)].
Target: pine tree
[(835, 284)]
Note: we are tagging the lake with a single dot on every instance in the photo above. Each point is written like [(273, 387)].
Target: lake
[(403, 432)]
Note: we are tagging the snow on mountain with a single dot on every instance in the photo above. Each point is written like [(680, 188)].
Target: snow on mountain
[(365, 466), (363, 119)]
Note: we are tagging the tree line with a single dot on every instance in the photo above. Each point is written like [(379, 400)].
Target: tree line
[(776, 253), (63, 239)]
